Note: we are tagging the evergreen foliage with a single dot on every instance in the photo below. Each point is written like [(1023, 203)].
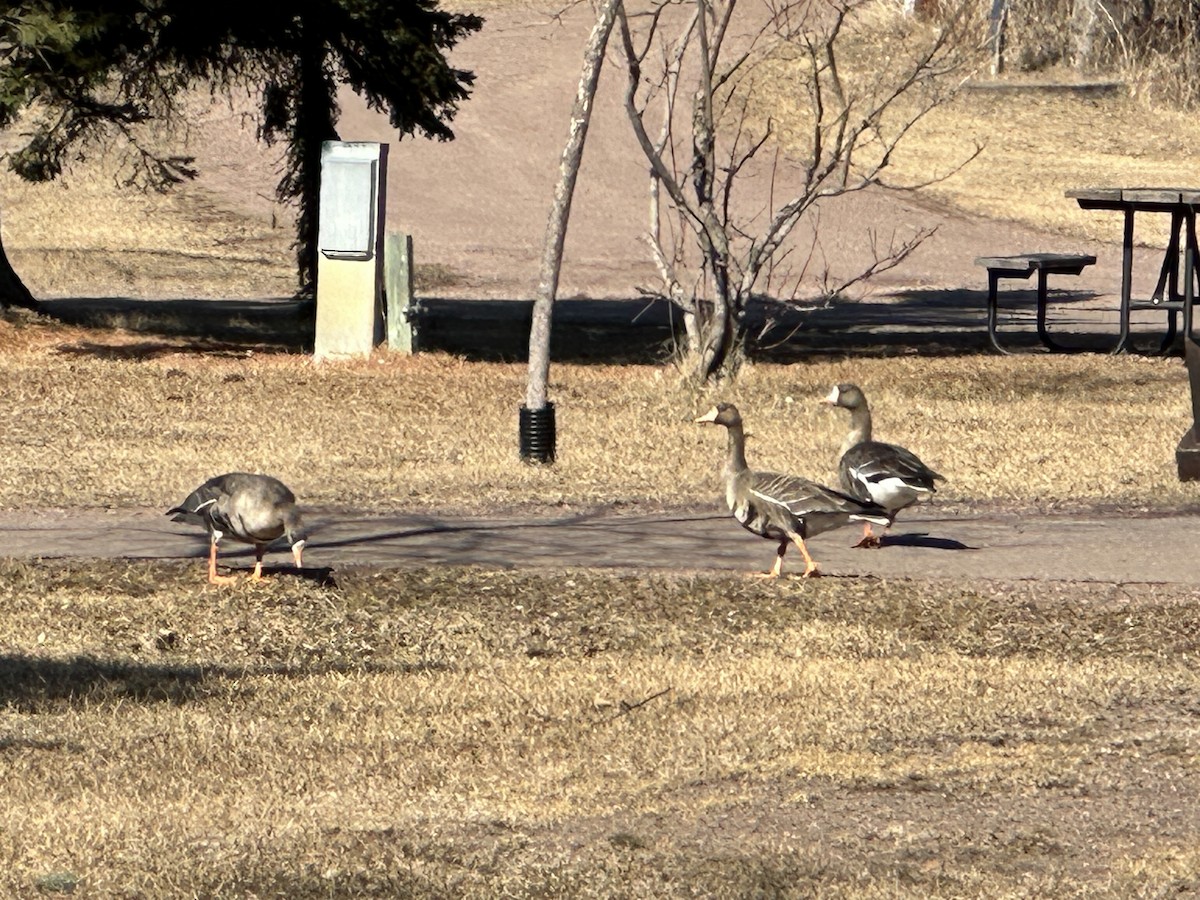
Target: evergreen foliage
[(85, 71)]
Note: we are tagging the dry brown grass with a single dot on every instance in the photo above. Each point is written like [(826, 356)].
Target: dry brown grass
[(472, 733), (1037, 144), (116, 420), (87, 237)]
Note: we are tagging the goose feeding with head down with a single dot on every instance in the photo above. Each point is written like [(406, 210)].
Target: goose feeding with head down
[(870, 470), (253, 509), (783, 508)]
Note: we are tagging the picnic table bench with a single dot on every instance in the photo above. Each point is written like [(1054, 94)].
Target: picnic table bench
[(1023, 266)]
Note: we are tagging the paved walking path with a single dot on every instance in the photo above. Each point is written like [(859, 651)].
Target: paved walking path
[(931, 543)]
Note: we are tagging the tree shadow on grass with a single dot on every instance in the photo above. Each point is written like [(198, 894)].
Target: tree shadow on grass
[(30, 683), (144, 350), (278, 323), (930, 321), (35, 684)]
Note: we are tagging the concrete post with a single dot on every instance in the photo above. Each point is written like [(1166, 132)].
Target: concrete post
[(398, 281)]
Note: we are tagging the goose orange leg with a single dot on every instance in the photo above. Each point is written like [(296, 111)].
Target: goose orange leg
[(257, 574), (776, 569), (810, 565), (869, 539), (213, 577)]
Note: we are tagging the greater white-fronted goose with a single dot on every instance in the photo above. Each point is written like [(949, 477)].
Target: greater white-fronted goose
[(253, 509), (870, 470), (783, 508)]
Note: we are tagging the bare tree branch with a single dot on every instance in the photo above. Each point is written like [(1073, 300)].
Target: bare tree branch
[(853, 111)]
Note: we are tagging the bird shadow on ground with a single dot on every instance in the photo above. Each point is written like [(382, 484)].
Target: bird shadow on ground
[(924, 539), (321, 576)]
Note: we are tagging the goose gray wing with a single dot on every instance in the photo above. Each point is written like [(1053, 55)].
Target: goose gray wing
[(243, 506), (778, 504), (886, 474), (198, 507)]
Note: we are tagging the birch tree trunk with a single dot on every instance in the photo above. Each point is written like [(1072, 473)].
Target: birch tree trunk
[(556, 228)]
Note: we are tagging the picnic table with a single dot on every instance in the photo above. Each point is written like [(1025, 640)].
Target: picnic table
[(1175, 288)]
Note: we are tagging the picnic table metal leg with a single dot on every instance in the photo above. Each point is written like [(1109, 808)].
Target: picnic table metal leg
[(1043, 333), (1126, 283), (1187, 454), (1189, 275), (1168, 340), (993, 291), (1167, 286)]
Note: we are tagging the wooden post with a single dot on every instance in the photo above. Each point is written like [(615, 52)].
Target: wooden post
[(398, 286)]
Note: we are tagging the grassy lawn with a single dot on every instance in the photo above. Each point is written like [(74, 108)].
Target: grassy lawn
[(466, 732), (97, 419), (473, 733)]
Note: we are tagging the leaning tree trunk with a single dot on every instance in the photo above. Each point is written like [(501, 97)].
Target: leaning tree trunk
[(12, 289), (556, 228)]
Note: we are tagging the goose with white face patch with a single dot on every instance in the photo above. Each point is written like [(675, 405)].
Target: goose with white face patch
[(870, 470), (783, 508)]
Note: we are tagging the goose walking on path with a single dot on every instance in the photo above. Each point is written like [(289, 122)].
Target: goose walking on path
[(253, 509), (870, 470), (782, 508)]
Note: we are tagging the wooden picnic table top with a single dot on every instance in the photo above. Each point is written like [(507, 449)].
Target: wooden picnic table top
[(1063, 263), (1119, 197)]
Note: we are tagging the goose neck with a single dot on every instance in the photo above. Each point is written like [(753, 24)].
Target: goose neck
[(860, 427), (735, 462)]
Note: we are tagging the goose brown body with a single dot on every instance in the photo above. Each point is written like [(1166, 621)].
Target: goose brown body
[(870, 470), (252, 509), (784, 508)]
